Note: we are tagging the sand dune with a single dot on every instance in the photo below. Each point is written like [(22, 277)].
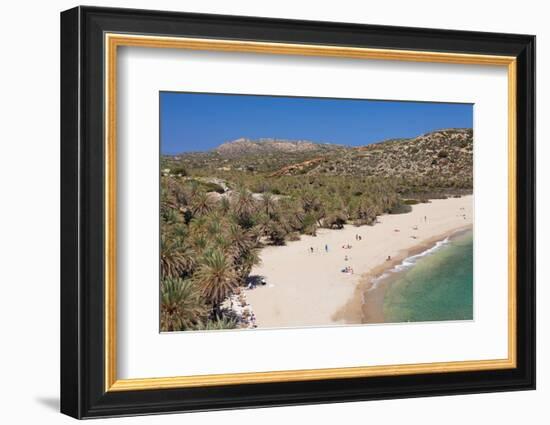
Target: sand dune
[(309, 289)]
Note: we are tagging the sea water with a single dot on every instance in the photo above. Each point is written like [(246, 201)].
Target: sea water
[(434, 285)]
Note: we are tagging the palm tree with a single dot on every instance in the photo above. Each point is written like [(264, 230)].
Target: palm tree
[(248, 260), (217, 324), (241, 240), (176, 258), (179, 230), (181, 307), (201, 204), (169, 215), (167, 198), (262, 223), (293, 215), (244, 207), (197, 224), (224, 205), (200, 242), (192, 189), (336, 219), (223, 243), (309, 224), (276, 233), (214, 225), (269, 204), (312, 204), (216, 277), (181, 195)]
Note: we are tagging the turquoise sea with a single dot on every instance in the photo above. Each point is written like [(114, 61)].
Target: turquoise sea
[(434, 285)]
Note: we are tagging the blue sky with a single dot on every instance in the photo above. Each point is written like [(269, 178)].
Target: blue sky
[(199, 122)]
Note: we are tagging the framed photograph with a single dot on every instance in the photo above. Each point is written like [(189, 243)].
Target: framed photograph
[(261, 212)]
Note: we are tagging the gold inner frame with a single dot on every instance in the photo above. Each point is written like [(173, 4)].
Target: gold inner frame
[(113, 41)]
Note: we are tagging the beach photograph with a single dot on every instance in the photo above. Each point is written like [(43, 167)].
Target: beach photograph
[(292, 212)]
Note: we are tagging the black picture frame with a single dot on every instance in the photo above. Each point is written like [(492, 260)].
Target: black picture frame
[(82, 212)]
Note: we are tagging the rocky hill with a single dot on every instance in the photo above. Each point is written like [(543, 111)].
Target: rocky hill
[(245, 147), (444, 154), (442, 158)]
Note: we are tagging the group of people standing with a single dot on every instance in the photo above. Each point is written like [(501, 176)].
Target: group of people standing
[(346, 269), (349, 269), (312, 250)]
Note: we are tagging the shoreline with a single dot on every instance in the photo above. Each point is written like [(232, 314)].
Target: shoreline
[(368, 309), (308, 288)]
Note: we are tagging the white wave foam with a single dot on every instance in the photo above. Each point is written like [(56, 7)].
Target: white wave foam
[(408, 262)]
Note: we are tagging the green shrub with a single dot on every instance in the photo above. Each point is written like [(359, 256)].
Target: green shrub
[(400, 208), (179, 171)]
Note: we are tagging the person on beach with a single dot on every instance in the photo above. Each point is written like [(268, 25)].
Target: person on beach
[(326, 248), (311, 249), (347, 269), (425, 219), (389, 258)]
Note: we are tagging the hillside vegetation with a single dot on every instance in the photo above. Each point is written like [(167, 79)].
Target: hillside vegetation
[(444, 155)]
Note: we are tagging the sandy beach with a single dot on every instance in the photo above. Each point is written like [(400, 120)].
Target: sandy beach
[(309, 289)]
